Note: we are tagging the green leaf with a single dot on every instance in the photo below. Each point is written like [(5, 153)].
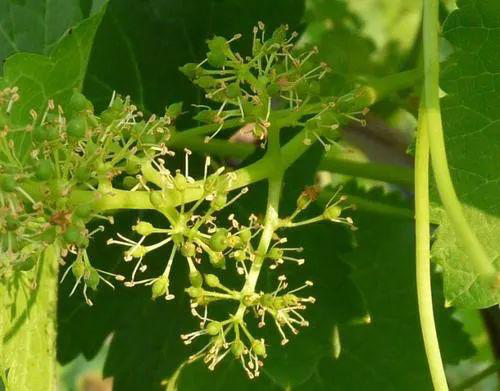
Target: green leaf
[(34, 26), (387, 353), (471, 118), (40, 77), (27, 328), (141, 45)]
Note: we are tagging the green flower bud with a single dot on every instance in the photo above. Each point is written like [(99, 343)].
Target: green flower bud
[(217, 44), (245, 234), (219, 201), (78, 102), (156, 199), (219, 240), (188, 249), (39, 134), (49, 235), (159, 287), (212, 280), (44, 170), (174, 110), (206, 82), (233, 91), (332, 212), (213, 328), (275, 253), (180, 182), (72, 235), (144, 228), (206, 116), (84, 211), (217, 59), (129, 182), (190, 70), (82, 174), (258, 347), (78, 268), (196, 279), (77, 127), (237, 348), (217, 260), (91, 278), (194, 292), (240, 255)]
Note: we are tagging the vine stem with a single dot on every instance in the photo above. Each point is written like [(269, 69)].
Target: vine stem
[(271, 220), (423, 267), (475, 251)]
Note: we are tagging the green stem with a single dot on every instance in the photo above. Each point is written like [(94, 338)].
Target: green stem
[(423, 256), (475, 251), (28, 334), (468, 383), (271, 221), (381, 172)]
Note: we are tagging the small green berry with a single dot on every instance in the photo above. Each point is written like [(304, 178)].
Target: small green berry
[(212, 280)]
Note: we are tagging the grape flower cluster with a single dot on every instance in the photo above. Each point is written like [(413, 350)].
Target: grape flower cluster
[(69, 166)]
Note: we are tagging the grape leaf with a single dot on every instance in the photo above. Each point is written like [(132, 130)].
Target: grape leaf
[(471, 118), (141, 45), (388, 352), (34, 26), (26, 322), (40, 77)]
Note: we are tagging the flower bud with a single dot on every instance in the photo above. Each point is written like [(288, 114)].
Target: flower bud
[(78, 268), (219, 240), (213, 327), (332, 212), (91, 278), (237, 348), (159, 287), (143, 228), (196, 279), (212, 280), (258, 347), (188, 249), (194, 292)]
